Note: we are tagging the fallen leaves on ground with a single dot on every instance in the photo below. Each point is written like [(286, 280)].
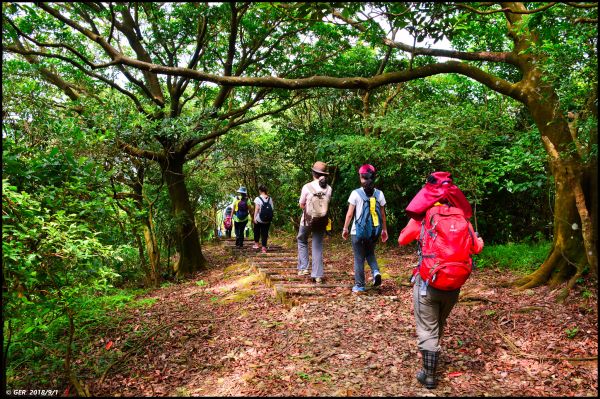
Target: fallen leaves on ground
[(339, 344)]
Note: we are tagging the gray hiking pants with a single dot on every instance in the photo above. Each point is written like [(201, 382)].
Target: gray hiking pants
[(317, 250), (431, 311)]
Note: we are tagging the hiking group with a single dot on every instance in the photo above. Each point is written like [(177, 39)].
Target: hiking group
[(242, 212), (439, 222)]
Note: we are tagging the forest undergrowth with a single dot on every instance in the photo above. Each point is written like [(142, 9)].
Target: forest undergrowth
[(223, 334)]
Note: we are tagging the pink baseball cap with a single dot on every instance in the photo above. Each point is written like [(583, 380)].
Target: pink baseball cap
[(366, 168)]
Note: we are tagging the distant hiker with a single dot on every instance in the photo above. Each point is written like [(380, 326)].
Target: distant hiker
[(314, 201), (263, 214), (446, 241), (366, 210), (228, 221), (241, 213)]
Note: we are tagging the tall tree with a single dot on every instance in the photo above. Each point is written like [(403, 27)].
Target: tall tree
[(76, 47), (516, 49)]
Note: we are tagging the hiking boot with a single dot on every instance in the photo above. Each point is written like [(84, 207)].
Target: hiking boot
[(264, 250), (303, 272), (318, 280), (426, 375), (377, 280), (356, 289), (255, 246)]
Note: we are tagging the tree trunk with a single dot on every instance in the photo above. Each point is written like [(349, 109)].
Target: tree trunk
[(191, 258), (575, 233), (153, 254)]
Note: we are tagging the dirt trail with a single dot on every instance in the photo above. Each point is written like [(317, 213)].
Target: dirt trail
[(229, 336)]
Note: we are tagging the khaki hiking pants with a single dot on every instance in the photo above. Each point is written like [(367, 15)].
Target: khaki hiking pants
[(431, 311)]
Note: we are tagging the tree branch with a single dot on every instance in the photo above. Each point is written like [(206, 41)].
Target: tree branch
[(472, 9), (200, 150), (65, 86), (50, 76), (140, 153), (506, 57), (129, 28)]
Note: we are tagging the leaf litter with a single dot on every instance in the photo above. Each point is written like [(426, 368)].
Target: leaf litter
[(498, 341)]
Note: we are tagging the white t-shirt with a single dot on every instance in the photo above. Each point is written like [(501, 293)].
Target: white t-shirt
[(259, 203), (304, 194), (358, 202)]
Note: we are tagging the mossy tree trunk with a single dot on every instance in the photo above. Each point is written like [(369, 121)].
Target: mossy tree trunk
[(191, 258), (575, 236)]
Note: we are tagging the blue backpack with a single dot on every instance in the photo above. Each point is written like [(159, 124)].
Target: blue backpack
[(365, 226)]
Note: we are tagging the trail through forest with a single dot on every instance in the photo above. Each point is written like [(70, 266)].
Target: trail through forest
[(224, 334)]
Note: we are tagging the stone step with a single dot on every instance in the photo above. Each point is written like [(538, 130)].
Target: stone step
[(285, 286), (270, 263), (250, 244), (272, 255), (254, 252), (279, 277), (274, 260), (294, 271)]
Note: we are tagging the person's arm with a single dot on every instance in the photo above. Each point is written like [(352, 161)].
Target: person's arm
[(410, 232), (256, 211), (477, 241), (349, 216), (384, 233), (303, 195)]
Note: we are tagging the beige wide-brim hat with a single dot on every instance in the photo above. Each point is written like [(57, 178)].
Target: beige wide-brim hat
[(320, 167)]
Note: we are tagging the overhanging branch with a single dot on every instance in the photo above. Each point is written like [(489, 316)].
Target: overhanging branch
[(140, 153)]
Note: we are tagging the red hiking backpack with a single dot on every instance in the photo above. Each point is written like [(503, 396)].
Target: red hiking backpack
[(227, 222), (445, 248)]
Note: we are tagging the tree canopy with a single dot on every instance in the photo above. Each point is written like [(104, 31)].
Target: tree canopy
[(127, 127)]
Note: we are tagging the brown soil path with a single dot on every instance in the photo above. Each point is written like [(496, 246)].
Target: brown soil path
[(225, 333)]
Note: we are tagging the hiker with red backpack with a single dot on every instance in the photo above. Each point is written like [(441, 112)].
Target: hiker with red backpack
[(241, 212), (228, 220), (446, 241), (263, 214), (314, 201), (366, 210)]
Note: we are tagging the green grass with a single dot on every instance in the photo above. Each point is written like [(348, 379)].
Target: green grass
[(524, 257)]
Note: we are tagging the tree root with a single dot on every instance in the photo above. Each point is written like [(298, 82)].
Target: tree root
[(475, 298), (520, 353)]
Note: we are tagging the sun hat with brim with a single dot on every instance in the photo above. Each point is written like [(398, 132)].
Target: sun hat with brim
[(320, 167), (242, 190)]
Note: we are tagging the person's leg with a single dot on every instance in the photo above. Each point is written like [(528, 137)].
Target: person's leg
[(317, 254), (303, 249), (265, 233), (359, 262), (236, 228), (447, 302), (256, 228), (243, 228), (372, 261), (427, 310)]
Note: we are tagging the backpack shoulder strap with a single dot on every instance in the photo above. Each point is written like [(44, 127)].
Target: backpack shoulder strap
[(376, 194), (361, 193), (311, 189)]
